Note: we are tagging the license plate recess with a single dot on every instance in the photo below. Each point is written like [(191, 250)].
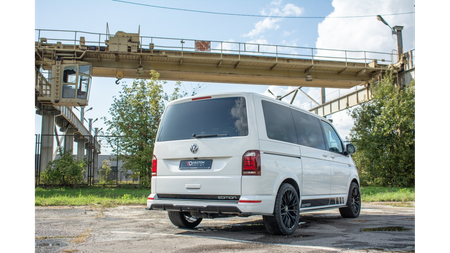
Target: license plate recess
[(195, 164)]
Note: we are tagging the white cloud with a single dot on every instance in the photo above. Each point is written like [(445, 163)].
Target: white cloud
[(275, 2), (368, 33), (286, 33), (290, 9), (287, 10), (262, 26), (270, 23)]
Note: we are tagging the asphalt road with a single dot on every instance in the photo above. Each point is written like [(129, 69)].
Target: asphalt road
[(379, 228)]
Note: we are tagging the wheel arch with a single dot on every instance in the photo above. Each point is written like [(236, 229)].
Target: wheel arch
[(293, 183), (351, 179)]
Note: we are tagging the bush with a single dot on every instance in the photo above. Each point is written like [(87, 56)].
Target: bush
[(105, 171), (66, 170)]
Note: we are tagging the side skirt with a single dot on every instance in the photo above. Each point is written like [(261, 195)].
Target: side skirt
[(322, 203), (320, 208)]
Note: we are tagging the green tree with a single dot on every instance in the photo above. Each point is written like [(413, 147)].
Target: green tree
[(105, 171), (384, 134), (66, 170), (135, 115)]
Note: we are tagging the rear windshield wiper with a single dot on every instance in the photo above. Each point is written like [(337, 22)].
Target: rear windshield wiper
[(208, 135)]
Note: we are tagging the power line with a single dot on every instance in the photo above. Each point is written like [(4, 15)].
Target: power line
[(255, 15)]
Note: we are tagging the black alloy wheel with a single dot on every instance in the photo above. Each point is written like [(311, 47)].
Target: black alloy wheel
[(286, 212), (353, 203), (289, 213)]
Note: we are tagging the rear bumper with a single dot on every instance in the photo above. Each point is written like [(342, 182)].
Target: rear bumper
[(246, 205), (200, 209)]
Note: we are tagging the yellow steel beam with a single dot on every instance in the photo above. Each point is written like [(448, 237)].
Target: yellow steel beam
[(216, 67)]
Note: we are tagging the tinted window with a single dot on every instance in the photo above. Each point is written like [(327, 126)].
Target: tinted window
[(68, 91), (308, 130), (83, 87), (85, 69), (70, 74), (222, 116), (279, 122), (334, 143)]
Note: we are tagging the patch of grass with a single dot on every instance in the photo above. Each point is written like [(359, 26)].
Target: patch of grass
[(82, 237), (387, 194), (109, 197), (50, 237), (105, 197)]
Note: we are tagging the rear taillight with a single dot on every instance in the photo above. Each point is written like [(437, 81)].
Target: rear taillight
[(154, 166), (251, 163)]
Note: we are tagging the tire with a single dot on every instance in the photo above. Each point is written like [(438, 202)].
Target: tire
[(183, 219), (353, 207), (286, 212)]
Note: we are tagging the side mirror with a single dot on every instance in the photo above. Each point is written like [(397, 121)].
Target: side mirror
[(350, 148)]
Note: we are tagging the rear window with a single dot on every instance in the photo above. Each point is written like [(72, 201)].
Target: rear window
[(224, 117)]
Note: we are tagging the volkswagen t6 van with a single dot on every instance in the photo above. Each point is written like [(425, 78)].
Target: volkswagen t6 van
[(242, 154)]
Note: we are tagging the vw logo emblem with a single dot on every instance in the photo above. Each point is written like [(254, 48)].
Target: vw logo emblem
[(194, 148)]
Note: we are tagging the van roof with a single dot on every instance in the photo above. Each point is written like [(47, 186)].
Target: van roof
[(225, 94)]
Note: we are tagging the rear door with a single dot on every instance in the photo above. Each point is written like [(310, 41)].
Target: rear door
[(316, 167), (200, 145)]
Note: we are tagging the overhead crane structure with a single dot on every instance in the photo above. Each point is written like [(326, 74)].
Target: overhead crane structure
[(126, 55), (72, 57)]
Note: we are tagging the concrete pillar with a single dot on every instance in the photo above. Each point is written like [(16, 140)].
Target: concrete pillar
[(81, 148), (68, 139), (48, 128)]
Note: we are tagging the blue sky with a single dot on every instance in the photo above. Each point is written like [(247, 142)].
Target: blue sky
[(334, 33)]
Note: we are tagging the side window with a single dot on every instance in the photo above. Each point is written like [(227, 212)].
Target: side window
[(279, 122), (308, 130), (69, 81), (70, 74), (334, 143)]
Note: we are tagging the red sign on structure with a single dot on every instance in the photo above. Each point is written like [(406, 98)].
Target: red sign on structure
[(201, 45)]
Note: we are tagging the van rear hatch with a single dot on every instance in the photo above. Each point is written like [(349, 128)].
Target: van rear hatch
[(199, 148)]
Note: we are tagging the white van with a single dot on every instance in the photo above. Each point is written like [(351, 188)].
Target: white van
[(242, 154)]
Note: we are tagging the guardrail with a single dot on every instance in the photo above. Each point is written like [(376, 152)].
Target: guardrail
[(221, 47), (343, 102), (70, 116), (42, 85)]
